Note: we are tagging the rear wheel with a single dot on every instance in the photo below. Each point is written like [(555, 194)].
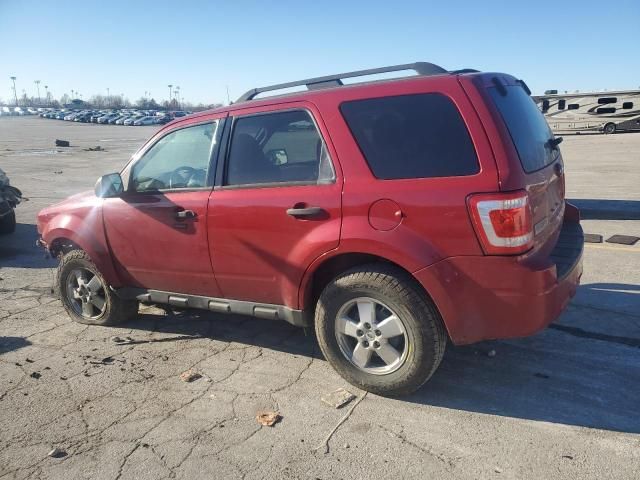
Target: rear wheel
[(609, 128), (379, 330), (85, 294), (8, 223)]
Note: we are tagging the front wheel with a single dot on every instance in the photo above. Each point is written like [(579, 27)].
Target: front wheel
[(85, 294), (379, 330), (609, 128)]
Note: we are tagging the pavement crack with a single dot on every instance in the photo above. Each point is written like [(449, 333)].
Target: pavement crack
[(325, 444)]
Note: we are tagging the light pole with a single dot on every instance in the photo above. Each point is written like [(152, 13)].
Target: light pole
[(37, 82), (15, 94), (170, 87), (108, 98), (46, 89), (177, 95)]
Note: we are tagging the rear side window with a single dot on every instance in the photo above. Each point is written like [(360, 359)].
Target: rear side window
[(411, 136), (527, 127)]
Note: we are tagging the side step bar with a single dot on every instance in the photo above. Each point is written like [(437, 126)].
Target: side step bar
[(220, 305)]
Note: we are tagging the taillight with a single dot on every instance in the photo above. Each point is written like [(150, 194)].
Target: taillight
[(503, 222)]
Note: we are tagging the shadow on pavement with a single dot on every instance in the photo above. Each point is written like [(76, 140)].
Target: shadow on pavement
[(596, 209), (556, 376), (18, 249), (279, 336), (9, 344)]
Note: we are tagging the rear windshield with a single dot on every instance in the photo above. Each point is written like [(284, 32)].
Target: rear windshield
[(527, 126), (411, 136)]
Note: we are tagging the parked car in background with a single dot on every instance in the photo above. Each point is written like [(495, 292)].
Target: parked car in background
[(131, 120), (107, 117), (112, 120), (82, 117), (96, 115), (163, 119), (148, 120)]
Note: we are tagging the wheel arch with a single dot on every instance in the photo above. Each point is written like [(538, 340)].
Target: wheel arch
[(320, 274), (61, 241)]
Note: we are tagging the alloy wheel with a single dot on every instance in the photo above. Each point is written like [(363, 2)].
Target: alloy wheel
[(371, 336), (85, 293)]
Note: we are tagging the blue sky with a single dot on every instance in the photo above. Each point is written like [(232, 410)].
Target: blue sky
[(137, 45)]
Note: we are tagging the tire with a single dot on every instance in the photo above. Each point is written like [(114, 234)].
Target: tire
[(75, 271), (8, 223), (419, 348), (609, 128)]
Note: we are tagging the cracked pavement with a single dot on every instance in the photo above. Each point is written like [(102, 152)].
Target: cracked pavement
[(561, 404)]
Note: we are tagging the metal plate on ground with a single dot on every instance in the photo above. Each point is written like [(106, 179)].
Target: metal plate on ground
[(623, 239), (592, 238)]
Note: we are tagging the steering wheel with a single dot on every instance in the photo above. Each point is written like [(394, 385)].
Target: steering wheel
[(180, 176)]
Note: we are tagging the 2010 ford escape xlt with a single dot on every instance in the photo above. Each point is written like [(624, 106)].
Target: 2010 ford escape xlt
[(392, 215)]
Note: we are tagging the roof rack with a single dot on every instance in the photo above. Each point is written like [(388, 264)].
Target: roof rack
[(421, 68)]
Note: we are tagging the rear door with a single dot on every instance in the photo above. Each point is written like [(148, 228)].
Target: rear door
[(277, 203), (532, 157)]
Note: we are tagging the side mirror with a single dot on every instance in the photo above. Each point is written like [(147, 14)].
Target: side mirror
[(278, 156), (109, 186)]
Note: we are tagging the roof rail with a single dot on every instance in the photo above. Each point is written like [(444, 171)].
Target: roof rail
[(421, 68)]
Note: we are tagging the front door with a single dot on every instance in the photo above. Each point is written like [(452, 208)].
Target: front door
[(157, 228), (277, 206)]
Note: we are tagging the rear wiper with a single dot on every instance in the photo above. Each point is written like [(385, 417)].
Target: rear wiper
[(554, 142)]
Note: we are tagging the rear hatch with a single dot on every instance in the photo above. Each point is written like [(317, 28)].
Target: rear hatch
[(531, 152)]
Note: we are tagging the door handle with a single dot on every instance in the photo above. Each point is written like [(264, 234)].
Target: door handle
[(184, 214), (304, 212)]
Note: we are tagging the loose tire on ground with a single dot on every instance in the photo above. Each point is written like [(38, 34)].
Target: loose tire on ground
[(424, 337), (113, 310), (8, 223)]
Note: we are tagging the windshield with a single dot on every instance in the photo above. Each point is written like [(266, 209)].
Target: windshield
[(527, 127)]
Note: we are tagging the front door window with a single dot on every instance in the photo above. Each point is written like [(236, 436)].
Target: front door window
[(178, 160)]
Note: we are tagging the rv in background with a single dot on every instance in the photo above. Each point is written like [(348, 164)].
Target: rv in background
[(606, 112)]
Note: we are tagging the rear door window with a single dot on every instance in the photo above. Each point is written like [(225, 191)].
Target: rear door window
[(526, 124), (411, 136), (278, 148)]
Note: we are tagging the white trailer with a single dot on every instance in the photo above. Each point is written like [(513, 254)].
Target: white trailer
[(606, 112)]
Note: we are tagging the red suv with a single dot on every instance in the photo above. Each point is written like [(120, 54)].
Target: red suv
[(393, 215)]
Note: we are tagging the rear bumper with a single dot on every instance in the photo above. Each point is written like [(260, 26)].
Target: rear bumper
[(491, 297)]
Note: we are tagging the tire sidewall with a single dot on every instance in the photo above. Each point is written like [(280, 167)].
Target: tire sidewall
[(418, 358), (63, 274)]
